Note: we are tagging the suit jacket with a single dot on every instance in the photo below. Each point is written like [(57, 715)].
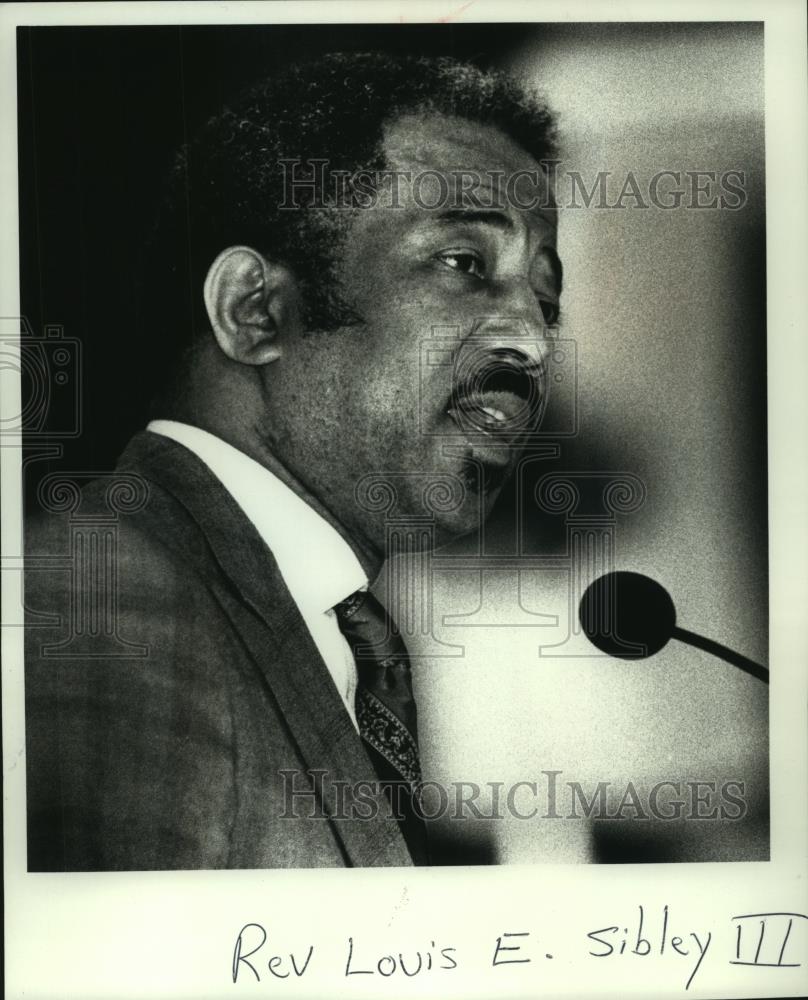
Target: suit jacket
[(171, 680)]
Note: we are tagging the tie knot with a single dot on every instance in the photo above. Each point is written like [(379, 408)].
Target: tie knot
[(346, 609), (370, 631)]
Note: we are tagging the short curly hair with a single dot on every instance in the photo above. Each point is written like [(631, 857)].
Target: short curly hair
[(226, 187)]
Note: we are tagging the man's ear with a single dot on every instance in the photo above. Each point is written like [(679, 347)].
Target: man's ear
[(248, 300)]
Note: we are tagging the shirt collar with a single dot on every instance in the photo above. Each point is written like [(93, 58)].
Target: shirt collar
[(317, 564)]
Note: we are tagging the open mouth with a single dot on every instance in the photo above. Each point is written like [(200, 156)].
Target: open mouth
[(501, 397)]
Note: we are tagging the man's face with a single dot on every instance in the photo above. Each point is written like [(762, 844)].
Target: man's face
[(377, 399)]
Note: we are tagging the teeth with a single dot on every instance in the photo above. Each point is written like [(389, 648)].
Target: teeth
[(491, 411)]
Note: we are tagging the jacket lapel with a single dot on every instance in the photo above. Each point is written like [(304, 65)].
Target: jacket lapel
[(297, 677)]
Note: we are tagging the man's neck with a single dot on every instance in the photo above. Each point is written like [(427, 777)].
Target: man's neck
[(260, 450), (370, 559)]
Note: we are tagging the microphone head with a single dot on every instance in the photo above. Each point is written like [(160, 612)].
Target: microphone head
[(627, 615)]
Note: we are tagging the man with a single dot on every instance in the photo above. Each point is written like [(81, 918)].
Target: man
[(337, 216)]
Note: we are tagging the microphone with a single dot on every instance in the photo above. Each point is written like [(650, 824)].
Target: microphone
[(631, 616)]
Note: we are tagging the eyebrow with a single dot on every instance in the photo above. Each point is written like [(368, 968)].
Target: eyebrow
[(501, 221), (488, 216)]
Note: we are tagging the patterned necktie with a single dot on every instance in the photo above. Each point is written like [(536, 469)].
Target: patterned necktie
[(385, 709)]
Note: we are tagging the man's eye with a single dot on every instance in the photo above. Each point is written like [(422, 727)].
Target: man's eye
[(465, 261), (550, 311)]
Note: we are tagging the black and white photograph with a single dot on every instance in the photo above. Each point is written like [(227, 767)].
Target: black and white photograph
[(393, 436)]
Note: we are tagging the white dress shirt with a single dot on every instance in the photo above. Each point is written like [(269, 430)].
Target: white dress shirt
[(316, 563)]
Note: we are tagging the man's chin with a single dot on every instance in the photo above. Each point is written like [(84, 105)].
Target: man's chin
[(482, 485), (433, 508), (485, 479)]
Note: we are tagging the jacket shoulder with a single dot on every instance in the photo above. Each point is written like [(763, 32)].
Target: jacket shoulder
[(125, 645)]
